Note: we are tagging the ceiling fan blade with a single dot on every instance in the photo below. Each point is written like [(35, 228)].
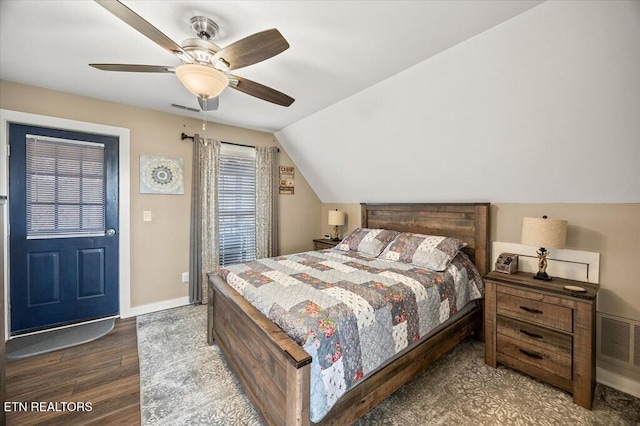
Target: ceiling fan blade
[(210, 104), (134, 68), (261, 91), (253, 49), (138, 23)]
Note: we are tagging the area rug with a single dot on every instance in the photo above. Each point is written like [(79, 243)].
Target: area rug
[(49, 341), (186, 382)]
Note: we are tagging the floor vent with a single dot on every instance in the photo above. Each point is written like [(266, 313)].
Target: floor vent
[(618, 341)]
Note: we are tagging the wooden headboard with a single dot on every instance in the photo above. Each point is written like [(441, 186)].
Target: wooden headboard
[(468, 222)]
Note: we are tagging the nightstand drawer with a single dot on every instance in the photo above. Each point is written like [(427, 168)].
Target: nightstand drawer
[(540, 358), (322, 244), (534, 311), (544, 338)]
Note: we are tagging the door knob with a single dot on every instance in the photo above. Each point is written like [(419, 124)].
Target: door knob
[(111, 232)]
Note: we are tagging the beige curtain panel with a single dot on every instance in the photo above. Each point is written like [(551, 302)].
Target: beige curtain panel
[(266, 202), (204, 247)]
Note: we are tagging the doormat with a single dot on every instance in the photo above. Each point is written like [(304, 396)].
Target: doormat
[(49, 341)]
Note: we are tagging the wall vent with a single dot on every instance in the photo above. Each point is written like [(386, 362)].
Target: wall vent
[(618, 341), (185, 107)]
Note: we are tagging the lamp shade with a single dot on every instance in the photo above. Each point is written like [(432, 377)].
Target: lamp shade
[(336, 218), (206, 82), (542, 232)]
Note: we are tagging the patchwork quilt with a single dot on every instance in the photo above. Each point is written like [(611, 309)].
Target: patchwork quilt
[(352, 312)]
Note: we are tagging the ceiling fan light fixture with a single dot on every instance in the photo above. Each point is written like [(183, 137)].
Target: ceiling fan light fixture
[(205, 68), (201, 80)]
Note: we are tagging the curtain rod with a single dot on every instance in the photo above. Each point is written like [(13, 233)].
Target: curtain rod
[(184, 136)]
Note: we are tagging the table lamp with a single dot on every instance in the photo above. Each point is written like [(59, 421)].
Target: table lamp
[(336, 218), (544, 233)]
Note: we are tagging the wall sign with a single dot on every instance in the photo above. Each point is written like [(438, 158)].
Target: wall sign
[(287, 180)]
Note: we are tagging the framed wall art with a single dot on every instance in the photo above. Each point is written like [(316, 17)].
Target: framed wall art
[(161, 175)]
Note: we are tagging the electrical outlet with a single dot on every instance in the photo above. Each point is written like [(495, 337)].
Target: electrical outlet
[(185, 277), (146, 216)]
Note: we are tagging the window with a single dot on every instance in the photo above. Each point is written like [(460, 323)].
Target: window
[(236, 204), (65, 188)]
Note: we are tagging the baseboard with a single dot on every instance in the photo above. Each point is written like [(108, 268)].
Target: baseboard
[(154, 307), (616, 381)]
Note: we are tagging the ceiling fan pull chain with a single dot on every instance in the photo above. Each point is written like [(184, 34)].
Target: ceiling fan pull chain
[(204, 124)]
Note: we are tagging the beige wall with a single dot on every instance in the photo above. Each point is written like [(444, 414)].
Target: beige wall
[(160, 248), (613, 230), (352, 218)]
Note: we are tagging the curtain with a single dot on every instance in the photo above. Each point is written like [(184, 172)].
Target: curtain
[(204, 247), (266, 202)]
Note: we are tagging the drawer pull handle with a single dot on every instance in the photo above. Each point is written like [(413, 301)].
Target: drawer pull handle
[(533, 335), (532, 354), (531, 311)]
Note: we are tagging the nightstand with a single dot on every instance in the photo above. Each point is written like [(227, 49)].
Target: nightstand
[(323, 243), (541, 329)]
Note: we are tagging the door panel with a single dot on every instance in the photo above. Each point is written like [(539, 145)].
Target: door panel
[(63, 196), (91, 272), (43, 278)]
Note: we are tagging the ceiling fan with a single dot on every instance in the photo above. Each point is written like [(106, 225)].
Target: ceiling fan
[(205, 66)]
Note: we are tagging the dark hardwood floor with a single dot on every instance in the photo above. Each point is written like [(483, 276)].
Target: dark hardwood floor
[(104, 373)]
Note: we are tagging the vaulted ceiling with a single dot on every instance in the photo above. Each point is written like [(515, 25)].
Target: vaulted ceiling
[(338, 48), (541, 108)]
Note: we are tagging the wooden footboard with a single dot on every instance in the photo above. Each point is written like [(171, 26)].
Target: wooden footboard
[(275, 371)]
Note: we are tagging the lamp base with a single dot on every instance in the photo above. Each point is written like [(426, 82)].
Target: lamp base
[(542, 276), (542, 265), (336, 234)]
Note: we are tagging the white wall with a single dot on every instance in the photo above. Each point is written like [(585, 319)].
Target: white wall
[(542, 108)]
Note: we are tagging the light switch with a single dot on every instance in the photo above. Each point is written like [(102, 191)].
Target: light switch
[(146, 216)]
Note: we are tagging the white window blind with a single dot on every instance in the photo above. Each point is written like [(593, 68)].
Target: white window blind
[(237, 204), (65, 188)]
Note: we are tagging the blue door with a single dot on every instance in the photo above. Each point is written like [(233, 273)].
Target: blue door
[(63, 216)]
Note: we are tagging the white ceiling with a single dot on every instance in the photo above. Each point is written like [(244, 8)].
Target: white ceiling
[(338, 48)]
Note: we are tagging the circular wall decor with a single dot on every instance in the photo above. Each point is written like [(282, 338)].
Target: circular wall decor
[(161, 175)]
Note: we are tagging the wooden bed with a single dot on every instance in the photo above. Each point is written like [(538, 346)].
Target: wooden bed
[(275, 371)]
